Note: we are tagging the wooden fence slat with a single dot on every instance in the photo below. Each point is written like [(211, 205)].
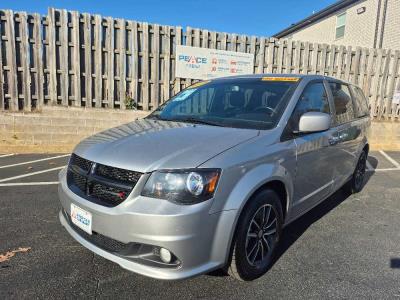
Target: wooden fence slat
[(367, 83), (270, 54), (188, 81), (340, 62), (356, 65), (375, 82), (134, 59), (122, 61), (98, 60), (306, 57), (178, 41), (224, 38), (261, 56), (37, 31), (362, 67), (51, 33), (243, 43), (323, 59), (145, 67), (110, 65), (204, 41), (155, 66), (88, 60), (11, 60), (77, 58), (348, 63), (64, 56), (196, 39), (213, 43), (167, 63), (390, 106), (297, 51), (289, 53), (332, 60), (253, 43), (25, 61), (280, 59), (383, 97)]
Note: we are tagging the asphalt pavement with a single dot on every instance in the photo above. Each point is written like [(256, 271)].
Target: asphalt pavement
[(347, 247)]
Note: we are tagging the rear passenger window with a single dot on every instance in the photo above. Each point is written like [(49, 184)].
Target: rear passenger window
[(314, 98), (360, 102), (343, 103)]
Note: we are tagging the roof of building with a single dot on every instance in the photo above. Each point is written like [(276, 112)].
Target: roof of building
[(315, 17)]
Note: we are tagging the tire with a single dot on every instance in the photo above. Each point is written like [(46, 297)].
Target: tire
[(244, 263), (356, 182)]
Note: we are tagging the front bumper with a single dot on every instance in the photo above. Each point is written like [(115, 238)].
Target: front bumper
[(199, 240)]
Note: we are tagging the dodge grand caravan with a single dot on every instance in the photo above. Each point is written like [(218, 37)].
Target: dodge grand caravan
[(209, 179)]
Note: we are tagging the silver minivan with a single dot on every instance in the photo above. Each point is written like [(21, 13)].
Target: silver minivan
[(209, 179)]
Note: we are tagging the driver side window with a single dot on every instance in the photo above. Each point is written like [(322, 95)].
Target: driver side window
[(313, 98)]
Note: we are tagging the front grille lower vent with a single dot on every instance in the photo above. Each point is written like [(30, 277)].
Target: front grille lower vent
[(102, 184)]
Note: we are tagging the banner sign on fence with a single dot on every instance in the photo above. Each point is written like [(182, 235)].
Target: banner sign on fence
[(203, 63)]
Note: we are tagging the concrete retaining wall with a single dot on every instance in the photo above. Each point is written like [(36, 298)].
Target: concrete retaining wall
[(60, 129), (56, 129)]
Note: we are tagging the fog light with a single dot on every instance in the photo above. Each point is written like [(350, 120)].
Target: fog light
[(165, 255)]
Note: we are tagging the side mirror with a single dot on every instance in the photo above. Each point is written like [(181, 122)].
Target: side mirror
[(314, 121)]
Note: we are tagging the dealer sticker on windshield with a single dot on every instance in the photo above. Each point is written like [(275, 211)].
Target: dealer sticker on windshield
[(81, 218), (294, 79)]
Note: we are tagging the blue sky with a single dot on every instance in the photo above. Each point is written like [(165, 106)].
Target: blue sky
[(252, 17)]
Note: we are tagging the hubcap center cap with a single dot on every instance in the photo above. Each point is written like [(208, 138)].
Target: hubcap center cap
[(260, 233)]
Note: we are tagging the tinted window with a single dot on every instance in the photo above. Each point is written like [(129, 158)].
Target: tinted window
[(313, 98), (241, 103), (343, 103), (360, 102)]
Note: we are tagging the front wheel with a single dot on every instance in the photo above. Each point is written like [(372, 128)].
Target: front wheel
[(257, 235)]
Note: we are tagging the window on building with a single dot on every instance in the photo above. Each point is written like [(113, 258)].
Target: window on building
[(340, 25)]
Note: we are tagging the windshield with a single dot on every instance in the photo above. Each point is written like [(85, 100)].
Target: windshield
[(239, 103)]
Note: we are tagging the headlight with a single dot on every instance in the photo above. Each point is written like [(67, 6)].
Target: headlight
[(185, 187)]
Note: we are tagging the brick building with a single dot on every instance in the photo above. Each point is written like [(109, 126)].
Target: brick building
[(365, 23)]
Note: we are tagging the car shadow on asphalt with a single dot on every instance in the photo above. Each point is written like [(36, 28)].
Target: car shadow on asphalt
[(295, 230)]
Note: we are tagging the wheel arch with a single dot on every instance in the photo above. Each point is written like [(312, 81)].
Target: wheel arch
[(279, 186)]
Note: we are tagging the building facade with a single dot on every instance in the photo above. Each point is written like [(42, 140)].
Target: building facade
[(365, 23)]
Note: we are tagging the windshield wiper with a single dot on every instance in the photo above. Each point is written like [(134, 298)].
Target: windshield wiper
[(198, 121)]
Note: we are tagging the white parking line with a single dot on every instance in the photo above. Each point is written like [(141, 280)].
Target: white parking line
[(383, 170), (33, 161), (31, 174), (390, 159), (29, 183), (7, 155)]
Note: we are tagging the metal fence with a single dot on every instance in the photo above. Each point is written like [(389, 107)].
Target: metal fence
[(69, 58)]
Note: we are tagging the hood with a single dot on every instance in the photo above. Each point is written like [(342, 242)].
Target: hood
[(147, 145)]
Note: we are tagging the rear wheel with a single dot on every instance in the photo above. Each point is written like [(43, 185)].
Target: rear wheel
[(357, 181), (257, 235)]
